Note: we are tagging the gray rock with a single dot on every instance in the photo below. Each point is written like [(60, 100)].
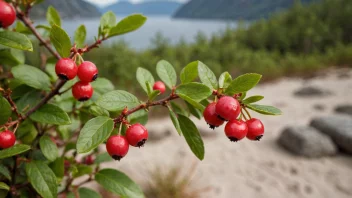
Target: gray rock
[(338, 127), (345, 109), (306, 141), (311, 92)]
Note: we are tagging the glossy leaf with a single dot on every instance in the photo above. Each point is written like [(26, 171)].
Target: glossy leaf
[(48, 148), (191, 101), (5, 111), (140, 116), (11, 57), (15, 40), (243, 83), (264, 109), (103, 157), (98, 111), (192, 136), (4, 186), (195, 112), (117, 100), (107, 21), (166, 73), (61, 41), (15, 150), (85, 193), (252, 99), (32, 77), (28, 101), (144, 76), (80, 36), (94, 132), (42, 179), (53, 16), (57, 167), (207, 76), (189, 73), (225, 80), (194, 90), (51, 114), (174, 120), (128, 24), (118, 183), (102, 85)]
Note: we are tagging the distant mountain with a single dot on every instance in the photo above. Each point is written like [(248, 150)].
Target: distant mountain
[(67, 9), (146, 8), (233, 9)]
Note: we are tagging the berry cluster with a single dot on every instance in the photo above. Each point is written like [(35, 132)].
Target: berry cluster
[(229, 109), (7, 14), (7, 139), (118, 145), (66, 69)]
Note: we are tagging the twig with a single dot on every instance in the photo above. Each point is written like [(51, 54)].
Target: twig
[(7, 95), (26, 20)]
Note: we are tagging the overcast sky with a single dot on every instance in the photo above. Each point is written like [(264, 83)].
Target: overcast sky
[(107, 2)]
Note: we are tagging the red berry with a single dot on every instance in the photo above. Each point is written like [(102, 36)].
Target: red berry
[(66, 69), (7, 139), (89, 160), (7, 14), (236, 130), (159, 86), (82, 91), (228, 108), (87, 72), (117, 146), (255, 129), (211, 117), (137, 135)]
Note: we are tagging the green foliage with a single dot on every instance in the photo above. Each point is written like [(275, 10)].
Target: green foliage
[(15, 40), (6, 110), (15, 150)]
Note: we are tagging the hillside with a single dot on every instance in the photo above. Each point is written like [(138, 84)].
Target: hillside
[(146, 8), (233, 9), (67, 9)]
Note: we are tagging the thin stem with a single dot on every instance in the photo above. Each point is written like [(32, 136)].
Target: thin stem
[(249, 115), (244, 116), (26, 20)]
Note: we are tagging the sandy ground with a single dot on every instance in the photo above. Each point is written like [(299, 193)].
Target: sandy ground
[(256, 169)]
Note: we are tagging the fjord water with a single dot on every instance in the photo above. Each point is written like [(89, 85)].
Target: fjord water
[(173, 29)]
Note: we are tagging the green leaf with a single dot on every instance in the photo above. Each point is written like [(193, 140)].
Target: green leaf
[(80, 36), (15, 150), (85, 193), (53, 16), (189, 73), (44, 27), (195, 112), (166, 73), (194, 90), (107, 21), (42, 179), (15, 40), (140, 116), (207, 76), (98, 111), (128, 24), (117, 100), (48, 148), (51, 114), (11, 57), (191, 101), (243, 83), (57, 167), (103, 157), (118, 183), (174, 120), (153, 95), (5, 111), (192, 136), (21, 28), (144, 76), (177, 109), (225, 80), (27, 101), (61, 41), (252, 99), (94, 132), (82, 170), (4, 186), (5, 172), (32, 77), (264, 109), (102, 85)]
